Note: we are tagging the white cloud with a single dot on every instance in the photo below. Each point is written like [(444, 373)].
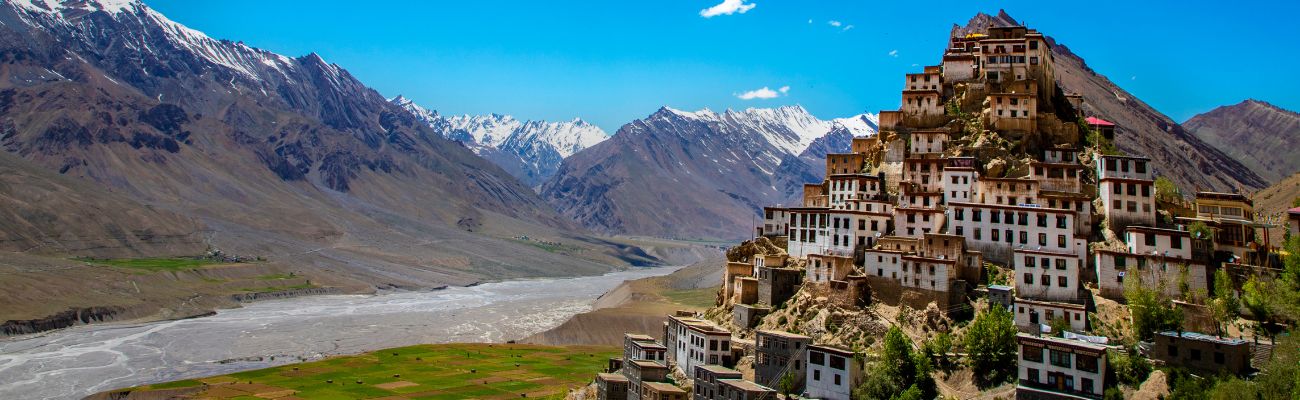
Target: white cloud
[(834, 23), (727, 7), (893, 53), (764, 93), (847, 27), (809, 21)]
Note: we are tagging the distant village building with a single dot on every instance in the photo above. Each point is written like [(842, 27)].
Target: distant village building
[(1202, 353), (643, 347), (1293, 221), (1159, 258), (662, 391), (611, 386), (740, 389), (695, 342), (832, 373), (1126, 191), (705, 381), (778, 353), (639, 372), (1231, 215), (1104, 127), (1056, 368)]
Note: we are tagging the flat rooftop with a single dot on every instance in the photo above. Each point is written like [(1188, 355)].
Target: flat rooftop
[(745, 385), (611, 377), (1205, 338), (663, 387)]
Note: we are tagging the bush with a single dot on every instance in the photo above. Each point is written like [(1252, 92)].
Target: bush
[(990, 344), (1152, 311), (1129, 368), (898, 373)]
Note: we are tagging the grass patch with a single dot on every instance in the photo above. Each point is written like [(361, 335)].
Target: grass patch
[(702, 298), (151, 264), (450, 371), (177, 384)]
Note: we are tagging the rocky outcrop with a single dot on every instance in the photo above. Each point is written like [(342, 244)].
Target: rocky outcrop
[(282, 294), (62, 320), (1260, 135), (1141, 130)]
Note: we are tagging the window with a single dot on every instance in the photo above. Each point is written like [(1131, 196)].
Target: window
[(1042, 239), (1024, 219), (816, 358), (1024, 237), (1060, 241), (1117, 204), (1196, 354), (959, 214), (1062, 281), (1031, 262), (1150, 239), (1175, 242), (976, 215), (1030, 353), (1132, 189), (995, 217), (1117, 189), (1009, 236), (1060, 263), (817, 375), (1029, 278), (1032, 374), (837, 362), (1042, 220), (995, 233), (1087, 385), (1218, 357), (1146, 191), (1121, 262), (1060, 222), (1172, 350), (837, 379), (1060, 358)]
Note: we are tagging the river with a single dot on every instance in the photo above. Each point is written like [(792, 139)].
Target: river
[(79, 361)]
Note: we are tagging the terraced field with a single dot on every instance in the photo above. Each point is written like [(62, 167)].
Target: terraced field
[(451, 371)]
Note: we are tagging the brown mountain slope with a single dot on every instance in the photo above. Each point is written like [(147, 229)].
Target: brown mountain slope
[(1260, 135), (292, 159), (1187, 160), (44, 212), (1275, 200)]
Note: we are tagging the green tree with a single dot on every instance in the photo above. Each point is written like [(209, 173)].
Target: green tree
[(1129, 367), (990, 344), (940, 345), (1224, 306), (789, 383), (897, 371), (1152, 312), (1167, 191)]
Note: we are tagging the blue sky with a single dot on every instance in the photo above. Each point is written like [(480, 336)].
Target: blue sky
[(610, 62)]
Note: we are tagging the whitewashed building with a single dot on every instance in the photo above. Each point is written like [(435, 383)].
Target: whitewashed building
[(1126, 188), (1159, 258), (832, 373), (1056, 368)]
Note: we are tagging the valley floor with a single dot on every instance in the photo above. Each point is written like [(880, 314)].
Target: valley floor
[(448, 371)]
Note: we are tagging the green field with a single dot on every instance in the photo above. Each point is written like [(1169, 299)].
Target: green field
[(702, 298), (451, 371), (151, 264)]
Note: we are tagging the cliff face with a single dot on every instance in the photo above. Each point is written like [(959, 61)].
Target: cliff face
[(1189, 161), (1262, 136)]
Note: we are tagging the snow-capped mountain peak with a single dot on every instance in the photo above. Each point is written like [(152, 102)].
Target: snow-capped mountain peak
[(789, 128), (531, 150)]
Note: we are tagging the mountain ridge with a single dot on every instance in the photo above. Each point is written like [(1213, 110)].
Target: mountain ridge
[(694, 174), (529, 150), (1242, 130)]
